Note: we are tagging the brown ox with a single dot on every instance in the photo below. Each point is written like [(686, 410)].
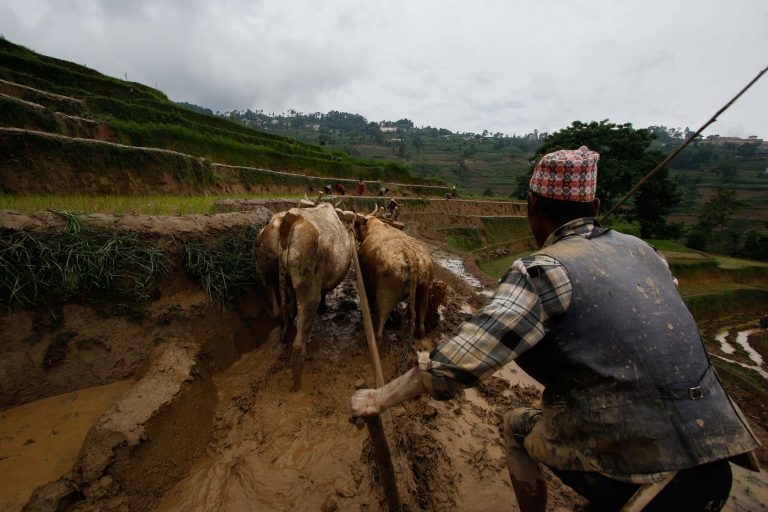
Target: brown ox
[(395, 266), (302, 254)]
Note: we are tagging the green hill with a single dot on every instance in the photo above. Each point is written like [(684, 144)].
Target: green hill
[(58, 119)]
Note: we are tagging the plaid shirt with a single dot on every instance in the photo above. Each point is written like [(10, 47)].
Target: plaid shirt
[(533, 290)]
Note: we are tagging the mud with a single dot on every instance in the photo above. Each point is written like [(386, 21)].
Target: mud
[(238, 439)]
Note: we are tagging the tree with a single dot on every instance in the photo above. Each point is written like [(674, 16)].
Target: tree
[(625, 157), (755, 246), (417, 142), (715, 214)]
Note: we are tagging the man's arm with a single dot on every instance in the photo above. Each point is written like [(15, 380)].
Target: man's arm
[(366, 403), (507, 326)]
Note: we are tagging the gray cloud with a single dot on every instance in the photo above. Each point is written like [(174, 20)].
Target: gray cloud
[(496, 65)]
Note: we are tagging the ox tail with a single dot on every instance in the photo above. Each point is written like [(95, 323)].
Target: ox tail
[(287, 301), (412, 277), (284, 289)]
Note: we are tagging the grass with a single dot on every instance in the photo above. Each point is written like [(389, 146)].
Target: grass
[(737, 263), (226, 270), (496, 268), (78, 262), (119, 204)]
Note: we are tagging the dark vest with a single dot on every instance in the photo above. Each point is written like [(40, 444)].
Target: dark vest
[(628, 383)]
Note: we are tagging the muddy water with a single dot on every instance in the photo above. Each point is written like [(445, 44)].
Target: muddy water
[(279, 450), (40, 441)]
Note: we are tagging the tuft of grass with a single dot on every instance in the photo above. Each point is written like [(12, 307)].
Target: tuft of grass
[(226, 270), (78, 262)]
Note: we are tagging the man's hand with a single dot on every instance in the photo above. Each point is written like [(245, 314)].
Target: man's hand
[(367, 403), (364, 403)]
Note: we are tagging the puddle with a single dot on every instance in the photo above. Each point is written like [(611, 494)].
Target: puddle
[(456, 267), (742, 339), (726, 347), (40, 441)]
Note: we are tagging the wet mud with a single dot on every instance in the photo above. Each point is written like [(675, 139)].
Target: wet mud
[(273, 449)]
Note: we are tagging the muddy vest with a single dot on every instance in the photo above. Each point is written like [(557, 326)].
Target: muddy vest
[(628, 384)]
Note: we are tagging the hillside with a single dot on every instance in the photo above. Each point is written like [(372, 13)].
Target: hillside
[(479, 164), (65, 128), (489, 163)]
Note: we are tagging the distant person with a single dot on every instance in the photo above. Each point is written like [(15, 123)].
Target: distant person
[(340, 189), (392, 210), (327, 189), (382, 192), (764, 322), (361, 187), (453, 191)]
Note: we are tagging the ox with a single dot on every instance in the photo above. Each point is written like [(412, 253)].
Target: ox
[(302, 254), (394, 266)]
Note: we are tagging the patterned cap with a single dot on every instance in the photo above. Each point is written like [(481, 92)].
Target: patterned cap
[(567, 175)]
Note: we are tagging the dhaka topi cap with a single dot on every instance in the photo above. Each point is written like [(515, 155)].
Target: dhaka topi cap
[(567, 175)]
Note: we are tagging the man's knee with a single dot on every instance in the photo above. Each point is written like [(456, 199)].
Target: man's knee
[(518, 423)]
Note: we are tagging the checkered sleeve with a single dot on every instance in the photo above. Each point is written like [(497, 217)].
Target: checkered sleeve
[(533, 290)]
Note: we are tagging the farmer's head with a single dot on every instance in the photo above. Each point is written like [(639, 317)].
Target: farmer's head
[(562, 189)]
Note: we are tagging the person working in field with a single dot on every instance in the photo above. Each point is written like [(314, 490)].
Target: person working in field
[(595, 316), (361, 187)]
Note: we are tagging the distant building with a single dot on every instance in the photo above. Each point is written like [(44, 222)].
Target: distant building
[(387, 128), (738, 141)]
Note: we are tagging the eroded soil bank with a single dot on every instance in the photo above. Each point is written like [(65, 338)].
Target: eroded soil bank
[(223, 403)]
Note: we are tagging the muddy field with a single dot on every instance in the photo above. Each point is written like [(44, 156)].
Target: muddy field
[(225, 433)]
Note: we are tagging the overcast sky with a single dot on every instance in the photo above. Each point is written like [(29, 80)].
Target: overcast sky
[(507, 66)]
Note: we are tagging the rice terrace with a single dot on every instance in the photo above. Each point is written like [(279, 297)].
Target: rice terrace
[(142, 366)]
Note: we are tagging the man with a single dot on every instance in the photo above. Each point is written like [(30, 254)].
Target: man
[(629, 393)]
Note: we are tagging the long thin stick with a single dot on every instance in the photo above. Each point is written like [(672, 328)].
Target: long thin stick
[(679, 149), (367, 321), (375, 425)]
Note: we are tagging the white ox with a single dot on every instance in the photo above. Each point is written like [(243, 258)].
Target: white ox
[(302, 254), (394, 266)]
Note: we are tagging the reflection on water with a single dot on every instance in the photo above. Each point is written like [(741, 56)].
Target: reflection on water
[(726, 347), (742, 339), (456, 267)]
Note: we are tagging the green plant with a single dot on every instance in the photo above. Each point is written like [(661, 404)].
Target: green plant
[(78, 262), (226, 270)]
